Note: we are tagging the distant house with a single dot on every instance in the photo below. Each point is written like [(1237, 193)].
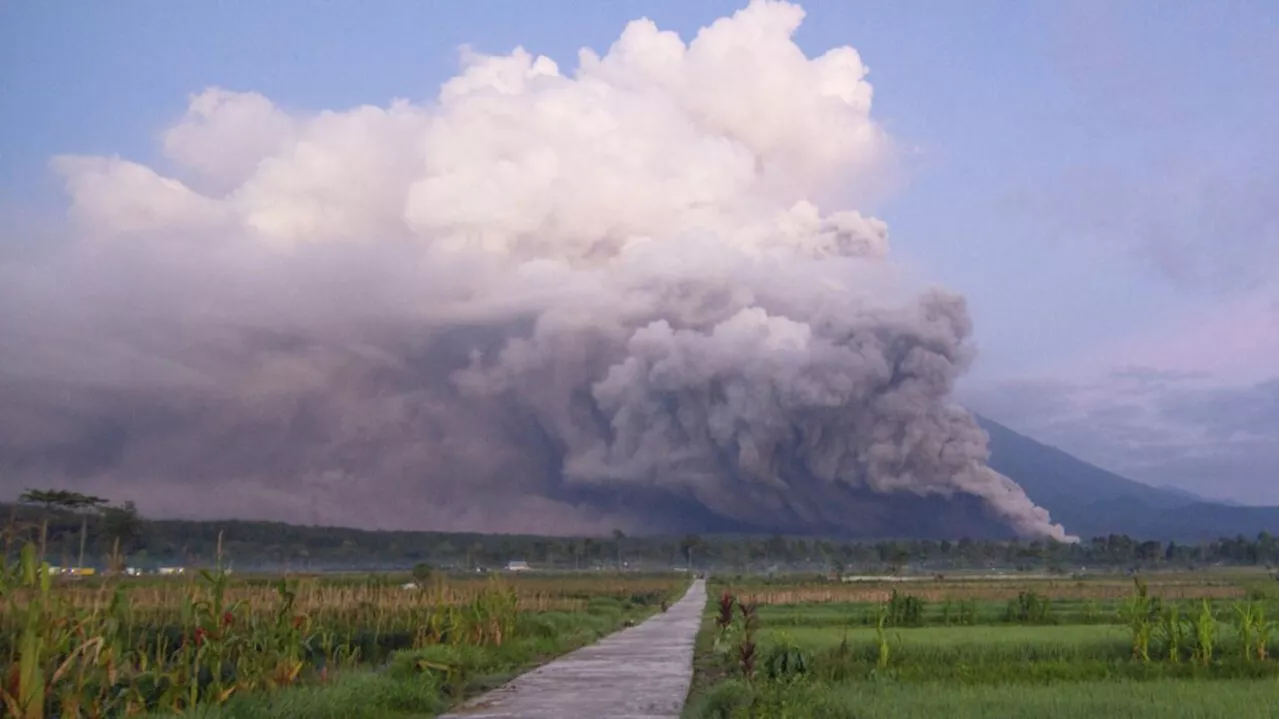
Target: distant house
[(169, 570), (517, 565)]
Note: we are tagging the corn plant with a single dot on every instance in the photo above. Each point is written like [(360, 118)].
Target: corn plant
[(491, 616), (1265, 634), (904, 610), (1206, 631), (1090, 610), (1172, 632), (882, 641), (1253, 629), (25, 697), (1028, 608), (1140, 612)]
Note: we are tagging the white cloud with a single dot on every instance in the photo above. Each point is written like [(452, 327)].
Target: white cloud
[(225, 134), (112, 197), (649, 141)]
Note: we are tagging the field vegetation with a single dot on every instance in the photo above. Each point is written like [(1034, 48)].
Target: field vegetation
[(1171, 645), (214, 645), (813, 626)]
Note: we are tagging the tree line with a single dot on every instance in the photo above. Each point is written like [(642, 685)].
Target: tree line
[(73, 528)]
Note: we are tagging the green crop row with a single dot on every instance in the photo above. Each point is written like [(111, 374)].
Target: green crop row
[(798, 661)]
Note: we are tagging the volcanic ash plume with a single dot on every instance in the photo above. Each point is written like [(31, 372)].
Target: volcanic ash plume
[(543, 302)]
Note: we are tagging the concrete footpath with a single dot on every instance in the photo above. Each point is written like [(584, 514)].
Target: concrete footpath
[(643, 671)]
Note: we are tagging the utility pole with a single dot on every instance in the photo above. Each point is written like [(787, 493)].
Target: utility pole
[(84, 530)]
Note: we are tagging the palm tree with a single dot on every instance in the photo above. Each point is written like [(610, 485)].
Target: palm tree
[(51, 499), (48, 499)]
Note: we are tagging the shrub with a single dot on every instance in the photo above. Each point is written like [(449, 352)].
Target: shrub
[(786, 660), (422, 573), (1029, 608), (905, 610)]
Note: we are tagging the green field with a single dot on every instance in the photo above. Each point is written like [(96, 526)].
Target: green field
[(1025, 656), (1098, 699)]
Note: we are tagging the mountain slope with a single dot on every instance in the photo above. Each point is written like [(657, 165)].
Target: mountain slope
[(1090, 501), (1193, 497)]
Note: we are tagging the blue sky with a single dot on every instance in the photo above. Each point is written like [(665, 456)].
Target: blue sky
[(1097, 178)]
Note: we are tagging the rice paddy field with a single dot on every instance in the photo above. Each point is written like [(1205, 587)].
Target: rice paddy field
[(213, 645), (1161, 645)]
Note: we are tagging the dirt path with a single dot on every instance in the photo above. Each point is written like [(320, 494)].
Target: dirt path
[(643, 671)]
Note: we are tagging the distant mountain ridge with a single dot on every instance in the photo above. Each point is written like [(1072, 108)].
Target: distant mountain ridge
[(1090, 501), (1192, 496)]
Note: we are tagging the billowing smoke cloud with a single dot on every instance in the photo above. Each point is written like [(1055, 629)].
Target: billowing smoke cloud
[(542, 302)]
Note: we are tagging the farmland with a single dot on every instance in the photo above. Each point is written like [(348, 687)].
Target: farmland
[(419, 622), (1189, 644), (213, 645)]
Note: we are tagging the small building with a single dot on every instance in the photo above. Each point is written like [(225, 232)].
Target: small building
[(517, 565)]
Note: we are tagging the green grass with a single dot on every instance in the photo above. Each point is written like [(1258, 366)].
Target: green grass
[(1164, 699), (984, 613), (957, 651), (985, 655), (991, 669), (357, 695), (1062, 636), (1230, 699)]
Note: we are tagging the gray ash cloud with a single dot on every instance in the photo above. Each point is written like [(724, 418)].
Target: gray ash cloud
[(540, 303)]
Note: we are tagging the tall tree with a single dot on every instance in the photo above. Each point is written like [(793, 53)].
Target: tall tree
[(122, 525), (618, 536), (46, 498), (85, 505), (690, 543), (52, 499)]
